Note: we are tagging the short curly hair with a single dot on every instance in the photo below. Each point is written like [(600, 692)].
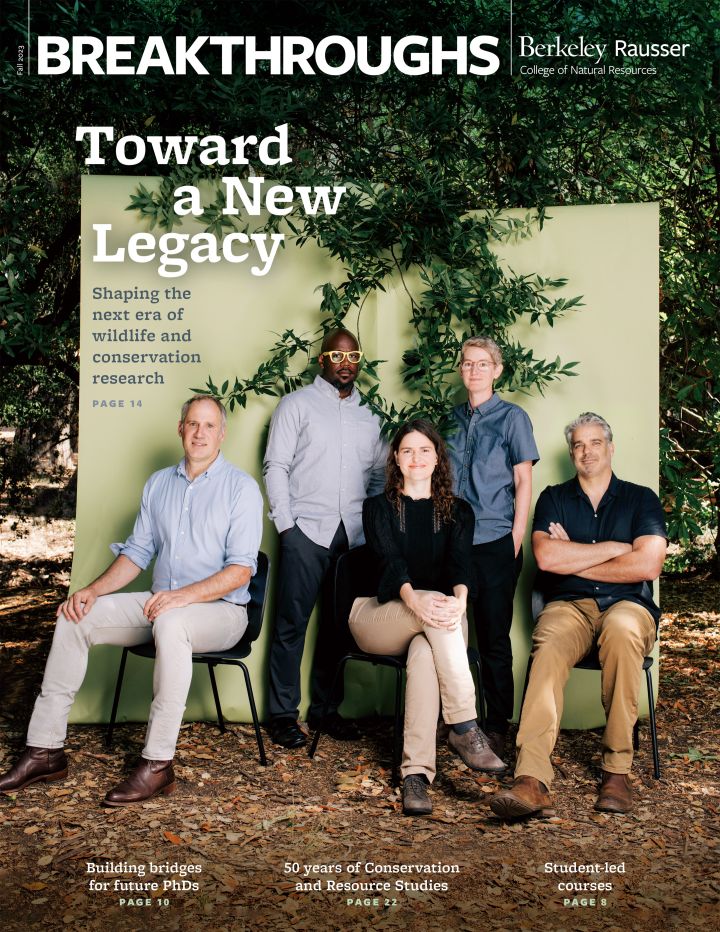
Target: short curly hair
[(588, 417)]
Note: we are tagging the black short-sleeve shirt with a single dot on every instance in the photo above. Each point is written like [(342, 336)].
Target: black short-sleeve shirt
[(626, 511)]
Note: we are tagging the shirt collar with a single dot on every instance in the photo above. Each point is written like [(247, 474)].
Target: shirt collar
[(212, 469), (330, 391), (610, 492), (486, 407)]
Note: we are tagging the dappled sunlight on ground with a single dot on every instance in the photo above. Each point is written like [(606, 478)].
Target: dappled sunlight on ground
[(246, 826)]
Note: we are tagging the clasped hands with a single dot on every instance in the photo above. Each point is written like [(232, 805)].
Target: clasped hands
[(437, 610)]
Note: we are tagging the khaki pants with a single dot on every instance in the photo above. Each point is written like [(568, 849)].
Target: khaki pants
[(118, 619), (437, 668), (564, 634)]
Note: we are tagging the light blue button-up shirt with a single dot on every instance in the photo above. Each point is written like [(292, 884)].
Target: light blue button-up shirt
[(197, 528), (324, 457)]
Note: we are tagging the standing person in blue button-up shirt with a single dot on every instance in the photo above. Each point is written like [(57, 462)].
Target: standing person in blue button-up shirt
[(324, 457), (493, 451), (202, 520)]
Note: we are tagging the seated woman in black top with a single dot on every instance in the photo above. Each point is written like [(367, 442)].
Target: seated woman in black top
[(423, 537)]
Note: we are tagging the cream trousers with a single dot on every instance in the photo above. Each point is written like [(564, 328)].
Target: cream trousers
[(118, 619), (437, 669)]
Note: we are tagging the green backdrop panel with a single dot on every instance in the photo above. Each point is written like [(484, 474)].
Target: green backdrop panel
[(229, 318)]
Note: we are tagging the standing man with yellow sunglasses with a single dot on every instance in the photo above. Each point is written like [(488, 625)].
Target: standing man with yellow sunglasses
[(324, 457)]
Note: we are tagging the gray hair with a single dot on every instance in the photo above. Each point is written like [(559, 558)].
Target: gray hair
[(486, 343), (218, 404), (589, 417)]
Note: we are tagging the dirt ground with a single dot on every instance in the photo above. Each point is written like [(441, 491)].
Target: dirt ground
[(246, 835)]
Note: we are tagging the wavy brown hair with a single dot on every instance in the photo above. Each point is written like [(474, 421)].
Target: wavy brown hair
[(441, 483)]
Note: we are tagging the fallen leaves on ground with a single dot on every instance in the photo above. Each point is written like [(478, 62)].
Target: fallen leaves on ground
[(256, 833)]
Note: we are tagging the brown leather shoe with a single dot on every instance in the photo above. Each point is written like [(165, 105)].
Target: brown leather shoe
[(615, 793), (35, 764), (496, 740), (473, 748), (525, 796), (149, 778), (415, 797)]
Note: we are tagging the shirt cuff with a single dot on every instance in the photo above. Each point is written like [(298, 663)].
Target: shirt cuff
[(283, 523), (137, 556), (242, 559), (389, 590)]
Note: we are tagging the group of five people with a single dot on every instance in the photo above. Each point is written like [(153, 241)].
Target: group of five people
[(446, 523)]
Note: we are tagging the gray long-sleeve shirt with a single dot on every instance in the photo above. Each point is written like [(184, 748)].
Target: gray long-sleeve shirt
[(324, 457)]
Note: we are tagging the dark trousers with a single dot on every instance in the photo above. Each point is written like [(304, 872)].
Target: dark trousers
[(497, 570), (306, 568)]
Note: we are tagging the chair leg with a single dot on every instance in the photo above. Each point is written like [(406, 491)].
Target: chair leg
[(397, 728), (116, 698), (653, 724), (253, 710), (339, 671), (216, 697)]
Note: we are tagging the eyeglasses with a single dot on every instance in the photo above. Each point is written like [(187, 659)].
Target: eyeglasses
[(482, 366), (338, 356)]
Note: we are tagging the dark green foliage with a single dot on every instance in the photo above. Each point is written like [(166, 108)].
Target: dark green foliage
[(431, 161), (41, 405)]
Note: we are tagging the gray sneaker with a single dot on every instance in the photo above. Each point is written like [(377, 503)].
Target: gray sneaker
[(475, 751), (415, 795)]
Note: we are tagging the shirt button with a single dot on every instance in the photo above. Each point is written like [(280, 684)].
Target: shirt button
[(594, 541), (596, 588)]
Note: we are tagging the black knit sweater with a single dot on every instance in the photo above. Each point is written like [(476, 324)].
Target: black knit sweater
[(417, 548)]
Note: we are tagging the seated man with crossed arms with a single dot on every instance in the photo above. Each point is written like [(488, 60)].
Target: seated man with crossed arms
[(598, 542)]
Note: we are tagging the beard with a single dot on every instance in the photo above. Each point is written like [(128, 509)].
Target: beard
[(340, 385)]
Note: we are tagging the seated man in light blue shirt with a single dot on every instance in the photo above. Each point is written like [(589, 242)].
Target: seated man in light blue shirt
[(202, 521)]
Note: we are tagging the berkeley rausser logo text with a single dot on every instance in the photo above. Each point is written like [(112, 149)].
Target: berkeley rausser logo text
[(582, 55)]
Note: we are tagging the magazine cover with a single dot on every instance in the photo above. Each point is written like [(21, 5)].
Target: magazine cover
[(301, 211)]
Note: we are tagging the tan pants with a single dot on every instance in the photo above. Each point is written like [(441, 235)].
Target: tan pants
[(437, 668), (564, 634)]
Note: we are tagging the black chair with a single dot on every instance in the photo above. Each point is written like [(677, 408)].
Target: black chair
[(591, 661), (233, 657), (356, 575)]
